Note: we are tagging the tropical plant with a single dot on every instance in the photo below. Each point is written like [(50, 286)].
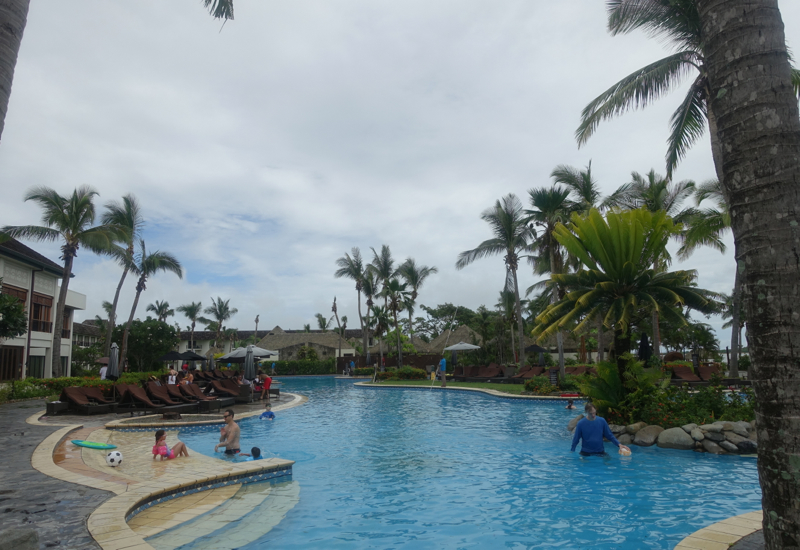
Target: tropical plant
[(221, 311), (323, 323), (584, 188), (161, 309), (414, 275), (512, 236), (341, 324), (381, 322), (127, 215), (231, 335), (146, 265), (68, 219), (382, 266), (192, 312), (618, 279), (396, 295), (13, 319), (13, 17), (351, 266), (146, 341)]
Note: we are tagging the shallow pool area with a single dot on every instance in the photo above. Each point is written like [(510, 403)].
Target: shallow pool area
[(411, 468)]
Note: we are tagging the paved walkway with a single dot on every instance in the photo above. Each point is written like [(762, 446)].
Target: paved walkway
[(751, 542), (28, 498)]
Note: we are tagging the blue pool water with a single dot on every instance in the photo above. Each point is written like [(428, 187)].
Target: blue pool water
[(383, 468)]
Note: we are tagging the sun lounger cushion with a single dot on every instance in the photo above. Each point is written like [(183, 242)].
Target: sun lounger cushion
[(685, 374)]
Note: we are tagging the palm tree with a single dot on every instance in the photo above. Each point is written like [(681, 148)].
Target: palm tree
[(380, 326), (323, 323), (550, 207), (618, 253), (231, 335), (396, 295), (145, 265), (506, 305), (13, 17), (127, 215), (306, 328), (383, 266), (370, 289), (582, 185), (221, 311), (101, 322), (342, 325), (512, 236), (68, 219), (414, 276), (192, 312), (351, 266), (655, 193), (161, 309)]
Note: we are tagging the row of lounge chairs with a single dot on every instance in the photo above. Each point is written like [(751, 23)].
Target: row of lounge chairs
[(495, 372)]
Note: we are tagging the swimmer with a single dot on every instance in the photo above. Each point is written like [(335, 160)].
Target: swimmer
[(161, 449), (254, 454), (570, 405), (267, 414)]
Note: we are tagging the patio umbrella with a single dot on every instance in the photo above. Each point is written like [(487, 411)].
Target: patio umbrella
[(112, 373), (211, 364), (249, 366), (238, 355), (644, 349), (102, 361), (534, 348), (192, 356), (462, 346), (171, 356)]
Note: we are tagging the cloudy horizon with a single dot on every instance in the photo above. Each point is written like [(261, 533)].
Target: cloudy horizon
[(263, 150)]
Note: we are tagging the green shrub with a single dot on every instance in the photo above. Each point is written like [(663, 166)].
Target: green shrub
[(539, 385), (405, 373), (304, 367), (364, 371), (744, 362), (570, 361)]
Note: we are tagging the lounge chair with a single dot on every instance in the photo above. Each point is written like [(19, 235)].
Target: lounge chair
[(522, 371), (96, 395), (535, 371), (684, 374), (487, 373), (206, 403), (159, 393), (82, 403), (177, 395), (220, 390), (707, 372), (135, 400)]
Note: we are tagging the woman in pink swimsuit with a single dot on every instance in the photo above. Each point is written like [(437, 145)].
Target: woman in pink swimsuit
[(161, 449)]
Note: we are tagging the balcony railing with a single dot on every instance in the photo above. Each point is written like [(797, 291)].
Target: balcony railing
[(42, 326)]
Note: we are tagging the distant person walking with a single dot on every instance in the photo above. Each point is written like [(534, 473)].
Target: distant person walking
[(352, 369), (592, 429), (443, 371)]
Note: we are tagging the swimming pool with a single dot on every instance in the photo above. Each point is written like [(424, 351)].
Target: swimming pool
[(382, 468)]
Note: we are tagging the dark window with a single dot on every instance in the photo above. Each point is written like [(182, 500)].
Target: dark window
[(65, 328), (42, 310), (19, 293)]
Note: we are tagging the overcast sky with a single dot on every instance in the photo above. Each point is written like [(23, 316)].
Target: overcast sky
[(264, 149)]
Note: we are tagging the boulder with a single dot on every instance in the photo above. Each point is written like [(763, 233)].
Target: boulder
[(716, 428), (714, 436), (734, 438), (633, 428), (753, 423), (697, 434), (616, 429), (574, 422), (689, 427), (747, 447), (675, 438), (712, 447), (727, 426), (728, 446), (625, 439), (647, 436), (741, 428)]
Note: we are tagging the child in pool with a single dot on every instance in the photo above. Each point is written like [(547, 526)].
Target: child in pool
[(161, 449), (267, 414), (254, 454)]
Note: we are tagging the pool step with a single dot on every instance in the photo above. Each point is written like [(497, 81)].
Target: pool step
[(249, 514)]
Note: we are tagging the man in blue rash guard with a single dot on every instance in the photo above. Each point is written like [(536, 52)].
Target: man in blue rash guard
[(592, 429)]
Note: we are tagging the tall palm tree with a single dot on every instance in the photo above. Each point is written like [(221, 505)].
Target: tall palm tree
[(323, 323), (506, 305), (380, 324), (13, 18), (192, 312), (383, 266), (655, 193), (584, 188), (341, 324), (146, 265), (161, 309), (231, 335), (370, 289), (396, 295), (550, 207), (68, 219), (351, 266), (101, 322), (414, 276), (126, 214), (512, 236), (221, 311), (618, 252)]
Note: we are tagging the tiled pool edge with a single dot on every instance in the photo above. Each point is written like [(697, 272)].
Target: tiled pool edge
[(723, 534), (493, 393)]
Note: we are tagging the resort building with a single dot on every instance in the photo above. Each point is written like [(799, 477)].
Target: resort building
[(289, 342), (86, 334), (34, 280)]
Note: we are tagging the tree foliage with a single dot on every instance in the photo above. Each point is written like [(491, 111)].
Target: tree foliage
[(147, 341)]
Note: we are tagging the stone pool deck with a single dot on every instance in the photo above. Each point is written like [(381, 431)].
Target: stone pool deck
[(74, 500)]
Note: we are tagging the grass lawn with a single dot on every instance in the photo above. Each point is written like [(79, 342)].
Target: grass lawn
[(506, 388)]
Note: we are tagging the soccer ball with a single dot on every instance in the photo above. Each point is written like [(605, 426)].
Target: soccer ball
[(114, 458)]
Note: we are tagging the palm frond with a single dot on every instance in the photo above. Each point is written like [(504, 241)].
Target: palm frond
[(688, 123), (220, 9), (31, 232)]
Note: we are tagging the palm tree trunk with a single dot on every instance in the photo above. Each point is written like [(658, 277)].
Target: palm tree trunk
[(399, 344), (759, 131), (519, 318), (656, 331), (600, 341), (511, 331), (410, 328), (124, 348), (735, 331), (13, 17), (113, 315), (58, 322), (622, 344), (361, 321)]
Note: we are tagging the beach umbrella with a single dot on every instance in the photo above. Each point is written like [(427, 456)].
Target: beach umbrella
[(171, 356), (112, 373), (644, 349), (534, 348), (211, 364), (462, 346), (249, 365), (238, 355), (102, 361)]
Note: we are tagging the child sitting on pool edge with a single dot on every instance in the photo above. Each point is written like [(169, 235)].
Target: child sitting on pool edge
[(267, 414), (254, 454), (161, 449)]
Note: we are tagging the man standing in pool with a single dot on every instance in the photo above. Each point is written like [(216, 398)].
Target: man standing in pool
[(592, 429), (229, 435)]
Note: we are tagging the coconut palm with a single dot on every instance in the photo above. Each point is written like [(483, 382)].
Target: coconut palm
[(380, 324), (146, 265), (161, 309), (351, 266), (230, 335), (192, 312), (341, 324), (512, 236), (68, 219), (550, 207), (414, 276), (506, 305), (584, 188), (383, 266), (397, 295), (221, 311), (323, 323), (618, 253), (13, 17), (370, 289), (125, 214)]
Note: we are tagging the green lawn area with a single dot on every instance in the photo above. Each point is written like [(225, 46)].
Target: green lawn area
[(506, 388)]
